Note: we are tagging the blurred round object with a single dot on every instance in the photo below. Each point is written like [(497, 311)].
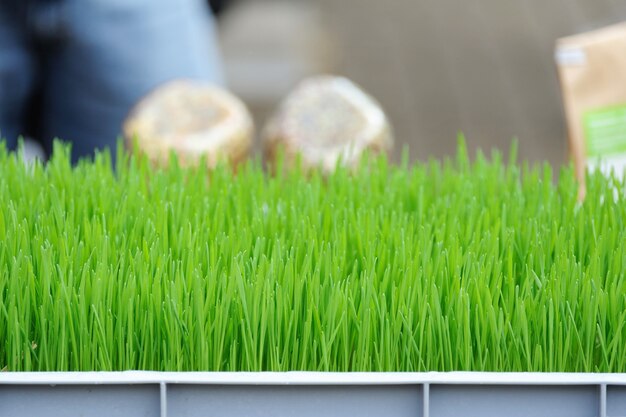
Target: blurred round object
[(327, 119), (192, 119)]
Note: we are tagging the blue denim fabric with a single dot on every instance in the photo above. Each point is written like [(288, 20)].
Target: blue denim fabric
[(89, 61)]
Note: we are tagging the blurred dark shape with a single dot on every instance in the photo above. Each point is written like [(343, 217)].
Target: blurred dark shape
[(218, 6), (73, 69)]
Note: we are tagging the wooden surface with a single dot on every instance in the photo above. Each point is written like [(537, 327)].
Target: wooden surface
[(483, 67)]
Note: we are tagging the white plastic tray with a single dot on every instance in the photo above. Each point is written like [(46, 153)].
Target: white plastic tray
[(173, 394)]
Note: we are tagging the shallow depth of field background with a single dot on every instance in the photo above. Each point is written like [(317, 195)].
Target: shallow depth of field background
[(437, 66)]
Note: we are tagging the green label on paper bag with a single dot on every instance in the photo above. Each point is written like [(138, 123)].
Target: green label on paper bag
[(605, 131)]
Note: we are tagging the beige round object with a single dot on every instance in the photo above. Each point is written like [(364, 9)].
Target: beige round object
[(193, 119), (327, 119)]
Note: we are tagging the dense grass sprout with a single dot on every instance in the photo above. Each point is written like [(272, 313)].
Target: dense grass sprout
[(481, 265)]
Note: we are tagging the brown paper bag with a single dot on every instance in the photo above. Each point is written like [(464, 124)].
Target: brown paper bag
[(592, 72)]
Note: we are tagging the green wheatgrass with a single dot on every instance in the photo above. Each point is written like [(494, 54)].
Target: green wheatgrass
[(454, 265)]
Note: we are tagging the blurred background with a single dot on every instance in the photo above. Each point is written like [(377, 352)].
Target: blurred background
[(438, 67)]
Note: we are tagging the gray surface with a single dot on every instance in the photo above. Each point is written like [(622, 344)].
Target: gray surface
[(535, 401), (616, 402), (327, 401), (83, 401)]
